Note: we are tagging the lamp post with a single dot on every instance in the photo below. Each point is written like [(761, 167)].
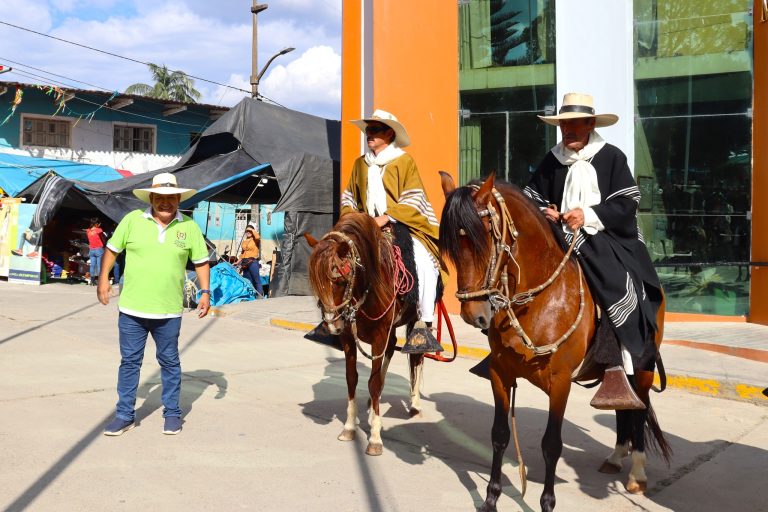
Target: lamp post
[(255, 9), (255, 84)]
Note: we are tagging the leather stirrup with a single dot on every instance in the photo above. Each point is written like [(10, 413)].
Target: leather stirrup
[(615, 392)]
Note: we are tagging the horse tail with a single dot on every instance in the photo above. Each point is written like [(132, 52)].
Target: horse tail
[(654, 437)]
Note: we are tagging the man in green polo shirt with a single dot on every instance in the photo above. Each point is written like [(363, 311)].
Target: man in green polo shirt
[(158, 242)]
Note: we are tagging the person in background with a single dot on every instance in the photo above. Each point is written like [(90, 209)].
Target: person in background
[(158, 242), (249, 258), (96, 243)]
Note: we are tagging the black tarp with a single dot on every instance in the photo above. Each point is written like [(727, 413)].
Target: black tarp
[(252, 141)]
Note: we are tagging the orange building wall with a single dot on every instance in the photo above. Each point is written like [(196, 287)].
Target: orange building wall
[(758, 300), (416, 79)]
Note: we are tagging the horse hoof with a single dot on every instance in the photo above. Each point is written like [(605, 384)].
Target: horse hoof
[(374, 449), (609, 468), (347, 435), (637, 487), (413, 412)]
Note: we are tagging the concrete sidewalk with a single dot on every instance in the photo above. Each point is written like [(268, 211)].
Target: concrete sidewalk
[(721, 359)]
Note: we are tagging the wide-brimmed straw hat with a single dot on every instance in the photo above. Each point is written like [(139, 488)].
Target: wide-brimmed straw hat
[(384, 117), (577, 105), (164, 183)]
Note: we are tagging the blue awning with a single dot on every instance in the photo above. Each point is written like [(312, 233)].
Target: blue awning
[(218, 186), (18, 172)]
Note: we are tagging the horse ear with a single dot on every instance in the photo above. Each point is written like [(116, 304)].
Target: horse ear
[(446, 181), (310, 239), (484, 192)]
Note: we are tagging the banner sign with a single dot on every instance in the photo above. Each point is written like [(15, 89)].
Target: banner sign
[(9, 223), (26, 255)]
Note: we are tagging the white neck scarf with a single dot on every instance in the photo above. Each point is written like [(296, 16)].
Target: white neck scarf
[(375, 196), (581, 190)]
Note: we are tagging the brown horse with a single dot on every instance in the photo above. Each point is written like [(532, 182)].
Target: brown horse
[(516, 280), (353, 273)]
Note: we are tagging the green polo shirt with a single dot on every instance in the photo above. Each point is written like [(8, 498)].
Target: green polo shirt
[(155, 261)]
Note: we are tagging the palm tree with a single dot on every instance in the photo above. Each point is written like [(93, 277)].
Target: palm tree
[(169, 85)]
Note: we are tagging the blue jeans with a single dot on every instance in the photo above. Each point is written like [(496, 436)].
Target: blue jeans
[(252, 273), (95, 255), (133, 339)]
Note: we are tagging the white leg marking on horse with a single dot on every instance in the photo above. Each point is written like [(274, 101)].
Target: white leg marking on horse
[(637, 474), (416, 390), (375, 429), (375, 445), (612, 464), (348, 433), (619, 452)]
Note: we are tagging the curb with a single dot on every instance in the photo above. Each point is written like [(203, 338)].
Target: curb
[(697, 385)]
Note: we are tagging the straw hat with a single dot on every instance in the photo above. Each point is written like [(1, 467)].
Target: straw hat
[(384, 117), (164, 183), (577, 105)]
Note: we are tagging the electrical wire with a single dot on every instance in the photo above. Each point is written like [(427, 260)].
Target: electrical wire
[(116, 55), (33, 75), (192, 112), (53, 74)]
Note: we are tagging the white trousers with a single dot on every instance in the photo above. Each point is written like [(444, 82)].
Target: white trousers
[(428, 276)]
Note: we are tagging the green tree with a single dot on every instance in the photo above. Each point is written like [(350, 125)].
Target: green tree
[(169, 85)]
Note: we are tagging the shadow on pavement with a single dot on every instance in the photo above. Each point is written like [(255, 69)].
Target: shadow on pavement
[(193, 385), (38, 486), (49, 322)]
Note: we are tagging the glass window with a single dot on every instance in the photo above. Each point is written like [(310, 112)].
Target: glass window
[(52, 133), (507, 77), (135, 139), (693, 83)]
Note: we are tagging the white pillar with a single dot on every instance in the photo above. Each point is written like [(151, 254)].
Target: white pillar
[(594, 55)]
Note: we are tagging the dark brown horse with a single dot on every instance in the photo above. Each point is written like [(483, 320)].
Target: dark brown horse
[(516, 280), (354, 275)]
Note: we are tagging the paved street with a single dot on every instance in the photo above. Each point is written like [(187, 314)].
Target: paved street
[(263, 408)]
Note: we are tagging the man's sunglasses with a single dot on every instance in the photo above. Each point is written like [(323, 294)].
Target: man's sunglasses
[(373, 130)]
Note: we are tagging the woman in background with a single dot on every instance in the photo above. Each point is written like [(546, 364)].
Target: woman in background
[(249, 258), (96, 243)]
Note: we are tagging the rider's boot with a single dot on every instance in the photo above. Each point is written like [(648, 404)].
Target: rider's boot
[(615, 392), (420, 340)]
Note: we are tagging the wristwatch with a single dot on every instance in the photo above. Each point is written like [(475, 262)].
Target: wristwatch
[(205, 291)]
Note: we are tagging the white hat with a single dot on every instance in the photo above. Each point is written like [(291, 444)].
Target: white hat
[(384, 117), (577, 105), (164, 183)]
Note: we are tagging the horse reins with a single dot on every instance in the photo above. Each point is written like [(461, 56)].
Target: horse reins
[(501, 225)]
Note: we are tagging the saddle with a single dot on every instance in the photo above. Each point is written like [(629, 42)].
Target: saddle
[(401, 237)]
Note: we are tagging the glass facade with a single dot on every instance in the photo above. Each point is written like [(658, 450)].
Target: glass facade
[(506, 77), (692, 126), (693, 91)]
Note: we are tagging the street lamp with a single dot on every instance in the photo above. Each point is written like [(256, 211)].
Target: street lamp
[(255, 9), (255, 83)]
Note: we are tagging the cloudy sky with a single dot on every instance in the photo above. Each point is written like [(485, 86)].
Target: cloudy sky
[(206, 38)]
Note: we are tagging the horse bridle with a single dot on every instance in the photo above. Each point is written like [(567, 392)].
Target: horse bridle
[(348, 307), (496, 284)]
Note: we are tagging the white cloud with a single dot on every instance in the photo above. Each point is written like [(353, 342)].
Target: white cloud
[(33, 14), (202, 38), (310, 83)]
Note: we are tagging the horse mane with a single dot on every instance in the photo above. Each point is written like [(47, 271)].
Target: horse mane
[(375, 258), (460, 214)]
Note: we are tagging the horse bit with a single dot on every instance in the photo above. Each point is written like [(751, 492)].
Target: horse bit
[(498, 296)]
